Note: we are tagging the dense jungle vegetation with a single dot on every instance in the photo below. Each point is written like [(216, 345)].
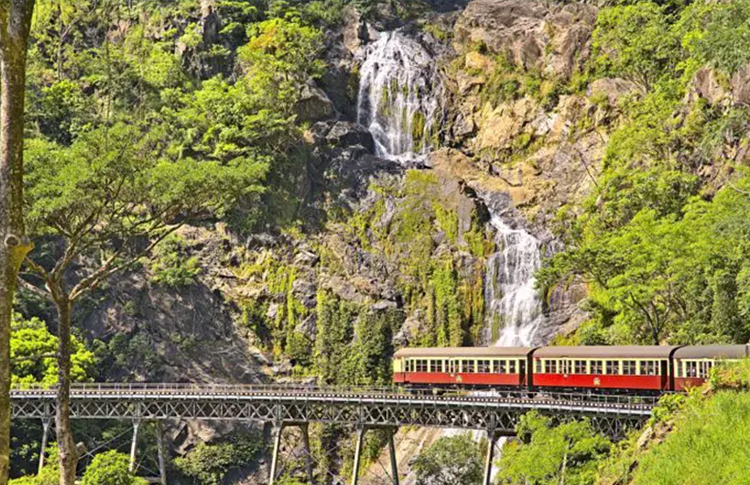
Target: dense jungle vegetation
[(141, 120)]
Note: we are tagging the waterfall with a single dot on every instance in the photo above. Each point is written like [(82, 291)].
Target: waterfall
[(514, 304), (399, 97)]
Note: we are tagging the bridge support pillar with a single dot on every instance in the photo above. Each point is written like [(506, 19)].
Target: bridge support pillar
[(392, 452), (492, 437), (277, 432), (161, 454), (134, 444), (358, 454), (46, 423), (305, 428)]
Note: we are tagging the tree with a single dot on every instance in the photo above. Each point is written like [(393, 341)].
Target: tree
[(551, 455), (451, 460), (635, 42), (15, 24), (110, 198), (33, 354), (110, 468)]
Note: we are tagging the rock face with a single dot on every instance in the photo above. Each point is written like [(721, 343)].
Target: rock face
[(553, 39)]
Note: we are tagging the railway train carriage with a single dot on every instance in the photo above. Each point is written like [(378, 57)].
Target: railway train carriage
[(693, 364), (462, 367), (604, 368)]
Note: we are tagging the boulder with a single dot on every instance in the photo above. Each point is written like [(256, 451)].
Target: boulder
[(741, 86), (313, 105), (706, 85), (613, 89)]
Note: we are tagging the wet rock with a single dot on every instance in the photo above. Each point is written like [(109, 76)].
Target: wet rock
[(347, 133)]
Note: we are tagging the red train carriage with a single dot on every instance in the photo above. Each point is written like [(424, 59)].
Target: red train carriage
[(693, 364), (462, 367), (622, 368)]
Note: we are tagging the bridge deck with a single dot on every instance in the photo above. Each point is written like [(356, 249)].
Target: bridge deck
[(368, 407)]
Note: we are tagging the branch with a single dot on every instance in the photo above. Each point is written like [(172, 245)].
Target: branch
[(36, 269), (109, 267), (33, 357), (38, 292)]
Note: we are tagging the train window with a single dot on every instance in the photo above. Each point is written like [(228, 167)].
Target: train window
[(484, 366), (409, 365), (691, 369), (613, 367), (538, 366), (502, 367), (580, 367), (433, 366), (629, 367), (422, 365), (511, 367), (596, 367), (566, 367), (649, 368), (549, 366)]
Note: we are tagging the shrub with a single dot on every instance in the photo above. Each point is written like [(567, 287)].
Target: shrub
[(110, 468)]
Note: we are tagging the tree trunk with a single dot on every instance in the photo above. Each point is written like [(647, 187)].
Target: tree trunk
[(15, 22), (66, 444)]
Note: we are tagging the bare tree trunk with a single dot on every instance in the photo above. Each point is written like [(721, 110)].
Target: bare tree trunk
[(66, 444), (15, 23)]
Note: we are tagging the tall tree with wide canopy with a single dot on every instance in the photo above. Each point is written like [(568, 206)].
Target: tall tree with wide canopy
[(15, 22), (100, 206)]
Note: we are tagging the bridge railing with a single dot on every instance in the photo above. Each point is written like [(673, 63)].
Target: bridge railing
[(138, 390)]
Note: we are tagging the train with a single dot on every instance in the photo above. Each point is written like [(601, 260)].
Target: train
[(605, 369)]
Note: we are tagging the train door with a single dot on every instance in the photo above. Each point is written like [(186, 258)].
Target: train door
[(453, 371)]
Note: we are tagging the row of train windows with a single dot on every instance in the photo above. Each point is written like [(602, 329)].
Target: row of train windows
[(700, 369), (469, 366), (609, 367)]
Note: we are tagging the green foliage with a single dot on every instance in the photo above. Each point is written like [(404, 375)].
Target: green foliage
[(33, 352), (636, 42), (110, 468), (549, 455), (207, 464), (451, 460), (49, 475), (280, 58), (353, 346), (707, 448), (171, 266), (654, 254)]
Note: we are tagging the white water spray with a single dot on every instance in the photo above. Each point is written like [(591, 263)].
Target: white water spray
[(400, 97), (514, 304)]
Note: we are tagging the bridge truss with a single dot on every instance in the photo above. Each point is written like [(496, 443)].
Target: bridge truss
[(363, 409)]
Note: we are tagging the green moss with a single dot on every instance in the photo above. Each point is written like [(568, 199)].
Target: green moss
[(418, 122)]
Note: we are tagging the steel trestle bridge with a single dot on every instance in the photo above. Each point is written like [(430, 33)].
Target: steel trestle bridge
[(282, 406)]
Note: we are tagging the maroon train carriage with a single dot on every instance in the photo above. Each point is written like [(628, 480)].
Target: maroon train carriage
[(462, 367), (693, 364), (641, 368)]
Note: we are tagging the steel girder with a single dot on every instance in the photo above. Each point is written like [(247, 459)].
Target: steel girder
[(501, 417)]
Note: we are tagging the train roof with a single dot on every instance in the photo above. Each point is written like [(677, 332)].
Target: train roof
[(713, 352), (607, 351), (443, 352)]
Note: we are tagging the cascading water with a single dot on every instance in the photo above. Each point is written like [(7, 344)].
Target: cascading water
[(514, 304), (400, 97)]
